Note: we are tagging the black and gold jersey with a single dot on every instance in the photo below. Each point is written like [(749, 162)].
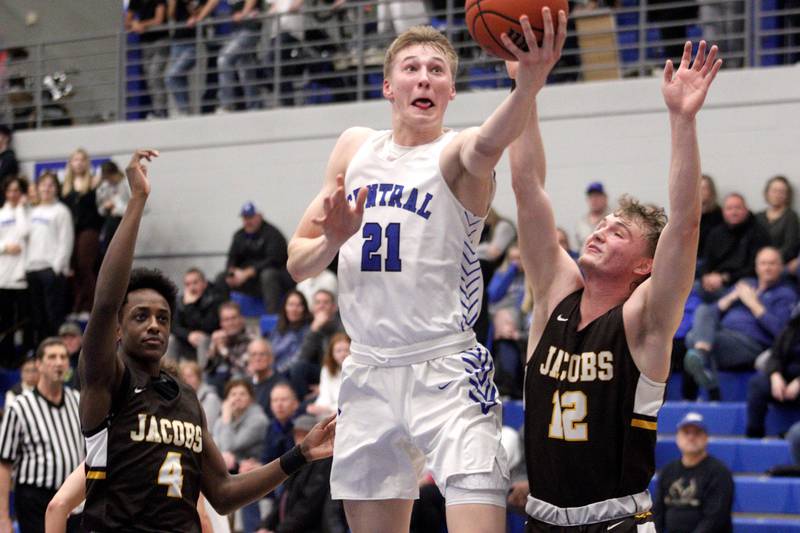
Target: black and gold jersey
[(143, 465), (590, 415)]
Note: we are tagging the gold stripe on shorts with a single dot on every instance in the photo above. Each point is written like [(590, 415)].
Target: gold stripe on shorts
[(644, 424), (96, 474)]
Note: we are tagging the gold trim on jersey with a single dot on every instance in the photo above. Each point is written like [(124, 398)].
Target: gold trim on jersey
[(644, 424), (95, 474)]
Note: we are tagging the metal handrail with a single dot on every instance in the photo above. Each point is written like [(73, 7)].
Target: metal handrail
[(345, 61)]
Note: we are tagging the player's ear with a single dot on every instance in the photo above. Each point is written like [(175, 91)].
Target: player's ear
[(388, 93), (644, 267), (453, 91)]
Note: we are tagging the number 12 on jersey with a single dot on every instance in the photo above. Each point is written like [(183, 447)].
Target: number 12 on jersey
[(373, 238), (569, 409)]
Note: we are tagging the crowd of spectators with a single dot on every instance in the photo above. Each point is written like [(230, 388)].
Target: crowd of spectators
[(244, 50), (261, 389)]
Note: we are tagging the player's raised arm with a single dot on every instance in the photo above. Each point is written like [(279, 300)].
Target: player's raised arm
[(660, 300), (226, 492), (329, 220), (481, 148), (99, 365), (548, 268)]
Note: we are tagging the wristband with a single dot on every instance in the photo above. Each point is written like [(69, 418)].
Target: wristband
[(292, 461)]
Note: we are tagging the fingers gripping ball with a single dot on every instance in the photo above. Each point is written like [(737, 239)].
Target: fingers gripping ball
[(488, 19)]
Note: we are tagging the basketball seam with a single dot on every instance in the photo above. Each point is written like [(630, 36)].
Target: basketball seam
[(486, 26)]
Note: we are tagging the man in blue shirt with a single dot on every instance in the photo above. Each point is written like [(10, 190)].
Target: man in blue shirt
[(731, 332)]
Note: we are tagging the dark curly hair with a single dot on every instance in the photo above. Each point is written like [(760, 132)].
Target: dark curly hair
[(152, 278)]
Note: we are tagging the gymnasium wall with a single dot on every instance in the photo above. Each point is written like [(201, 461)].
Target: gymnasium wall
[(616, 132)]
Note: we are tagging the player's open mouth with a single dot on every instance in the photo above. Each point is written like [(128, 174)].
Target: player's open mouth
[(592, 248), (422, 103)]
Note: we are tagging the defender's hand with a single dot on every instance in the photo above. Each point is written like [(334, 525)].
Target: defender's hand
[(685, 90)]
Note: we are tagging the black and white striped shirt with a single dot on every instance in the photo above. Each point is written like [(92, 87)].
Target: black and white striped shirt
[(43, 440)]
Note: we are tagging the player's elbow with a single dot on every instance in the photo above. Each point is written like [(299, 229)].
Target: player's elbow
[(57, 510), (295, 269)]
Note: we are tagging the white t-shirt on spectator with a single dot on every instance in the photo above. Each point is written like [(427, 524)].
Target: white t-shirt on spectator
[(51, 238), (329, 389), (14, 228)]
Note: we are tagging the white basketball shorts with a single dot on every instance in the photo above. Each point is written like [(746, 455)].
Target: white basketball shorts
[(395, 422)]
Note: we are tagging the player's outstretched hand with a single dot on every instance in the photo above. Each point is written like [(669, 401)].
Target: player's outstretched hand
[(340, 221), (685, 90), (318, 444), (534, 65), (137, 172)]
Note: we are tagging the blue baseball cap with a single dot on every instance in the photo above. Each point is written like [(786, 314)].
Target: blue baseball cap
[(595, 187), (693, 419), (248, 210)]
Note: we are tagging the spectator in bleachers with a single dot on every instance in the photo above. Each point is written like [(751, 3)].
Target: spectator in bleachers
[(563, 241), (597, 201), (71, 335), (191, 373), (80, 196), (140, 17), (779, 219), (239, 434), (507, 286), (733, 331), (294, 321), (674, 16), (288, 34), (186, 14), (330, 379), (14, 229), (779, 381), (47, 263), (305, 504), (396, 16), (730, 248), (29, 377), (226, 354), (324, 280), (261, 371), (284, 405), (112, 194), (497, 235), (239, 55), (712, 213), (8, 159), (257, 260), (695, 493), (325, 324), (723, 23), (196, 318)]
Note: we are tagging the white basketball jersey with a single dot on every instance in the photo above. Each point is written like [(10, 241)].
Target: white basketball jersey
[(410, 277)]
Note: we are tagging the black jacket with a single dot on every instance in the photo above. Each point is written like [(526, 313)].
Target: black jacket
[(264, 249), (202, 315), (732, 249), (303, 502)]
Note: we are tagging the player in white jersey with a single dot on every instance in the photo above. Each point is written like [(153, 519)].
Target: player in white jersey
[(405, 208)]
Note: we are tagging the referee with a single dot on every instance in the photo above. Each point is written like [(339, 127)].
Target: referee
[(40, 441)]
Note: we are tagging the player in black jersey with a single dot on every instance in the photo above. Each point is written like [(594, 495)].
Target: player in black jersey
[(149, 453), (601, 335)]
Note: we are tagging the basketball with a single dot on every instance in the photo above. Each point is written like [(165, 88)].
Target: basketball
[(488, 19)]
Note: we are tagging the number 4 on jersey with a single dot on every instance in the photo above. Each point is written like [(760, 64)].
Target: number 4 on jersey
[(373, 238), (171, 474)]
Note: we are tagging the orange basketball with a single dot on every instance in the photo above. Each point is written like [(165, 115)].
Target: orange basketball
[(488, 19)]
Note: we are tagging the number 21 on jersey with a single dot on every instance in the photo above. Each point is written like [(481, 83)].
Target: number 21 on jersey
[(371, 259), (569, 409)]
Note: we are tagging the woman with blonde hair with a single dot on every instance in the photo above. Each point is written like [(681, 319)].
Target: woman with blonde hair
[(330, 379), (79, 195)]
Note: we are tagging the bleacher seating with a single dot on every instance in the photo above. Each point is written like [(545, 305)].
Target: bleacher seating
[(251, 306)]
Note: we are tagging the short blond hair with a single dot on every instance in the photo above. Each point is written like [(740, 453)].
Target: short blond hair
[(424, 35), (649, 217)]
